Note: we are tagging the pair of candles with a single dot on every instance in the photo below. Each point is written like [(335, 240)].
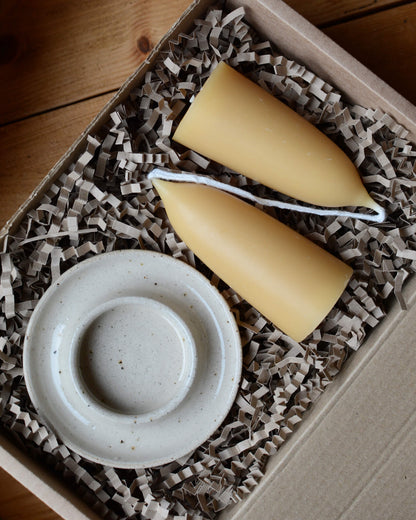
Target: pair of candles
[(293, 282)]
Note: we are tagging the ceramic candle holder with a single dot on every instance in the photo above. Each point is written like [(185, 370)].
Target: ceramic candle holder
[(132, 358)]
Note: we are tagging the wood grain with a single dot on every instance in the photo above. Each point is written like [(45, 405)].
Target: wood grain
[(30, 148), (57, 52), (320, 12), (16, 503), (386, 43)]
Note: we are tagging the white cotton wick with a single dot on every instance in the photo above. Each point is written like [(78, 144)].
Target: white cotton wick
[(168, 175)]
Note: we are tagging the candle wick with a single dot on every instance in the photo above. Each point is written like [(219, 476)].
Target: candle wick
[(168, 175)]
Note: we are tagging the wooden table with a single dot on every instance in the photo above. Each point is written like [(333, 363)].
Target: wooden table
[(61, 61)]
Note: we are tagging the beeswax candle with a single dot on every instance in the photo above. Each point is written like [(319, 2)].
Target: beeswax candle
[(293, 282), (237, 123)]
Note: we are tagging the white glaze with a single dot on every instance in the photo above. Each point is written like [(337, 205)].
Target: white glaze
[(132, 358)]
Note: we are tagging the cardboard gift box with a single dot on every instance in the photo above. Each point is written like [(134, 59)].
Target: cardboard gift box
[(352, 454)]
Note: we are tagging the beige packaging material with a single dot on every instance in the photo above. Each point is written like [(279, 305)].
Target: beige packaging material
[(353, 456), (42, 483)]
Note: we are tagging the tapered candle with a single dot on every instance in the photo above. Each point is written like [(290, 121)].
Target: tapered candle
[(293, 282), (237, 123)]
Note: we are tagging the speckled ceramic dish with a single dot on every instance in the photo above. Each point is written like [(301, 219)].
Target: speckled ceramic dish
[(132, 358)]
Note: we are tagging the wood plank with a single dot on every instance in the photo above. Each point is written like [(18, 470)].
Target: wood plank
[(16, 503), (386, 43), (30, 148), (55, 52), (320, 12)]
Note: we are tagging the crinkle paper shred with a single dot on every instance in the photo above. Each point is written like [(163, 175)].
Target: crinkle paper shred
[(104, 202)]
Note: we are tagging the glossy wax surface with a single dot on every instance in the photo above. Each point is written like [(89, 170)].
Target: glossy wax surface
[(237, 123), (289, 279)]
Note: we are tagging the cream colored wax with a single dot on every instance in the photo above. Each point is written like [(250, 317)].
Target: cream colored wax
[(293, 282), (237, 123)]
